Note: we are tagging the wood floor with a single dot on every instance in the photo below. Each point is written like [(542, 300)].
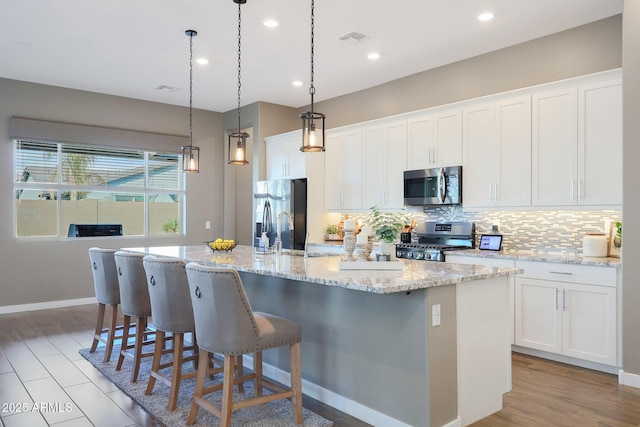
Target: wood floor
[(39, 363)]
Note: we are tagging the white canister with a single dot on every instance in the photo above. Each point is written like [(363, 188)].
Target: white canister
[(594, 245)]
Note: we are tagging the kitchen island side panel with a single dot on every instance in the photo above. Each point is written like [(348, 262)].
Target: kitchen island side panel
[(442, 355), (366, 347)]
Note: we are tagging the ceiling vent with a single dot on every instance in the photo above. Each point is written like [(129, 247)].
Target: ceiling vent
[(354, 37), (168, 88)]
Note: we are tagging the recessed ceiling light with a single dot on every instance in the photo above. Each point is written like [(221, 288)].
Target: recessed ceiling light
[(270, 23), (373, 56), (486, 16), (202, 61), (297, 83)]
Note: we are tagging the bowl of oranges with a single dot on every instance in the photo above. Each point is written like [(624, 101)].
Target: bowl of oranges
[(221, 244)]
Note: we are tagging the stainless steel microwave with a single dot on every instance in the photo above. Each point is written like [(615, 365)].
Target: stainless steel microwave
[(432, 187)]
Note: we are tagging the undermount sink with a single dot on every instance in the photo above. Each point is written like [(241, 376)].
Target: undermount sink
[(309, 254)]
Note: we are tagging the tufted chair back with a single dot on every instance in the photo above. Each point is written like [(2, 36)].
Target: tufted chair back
[(224, 320), (134, 293), (169, 294), (105, 278)]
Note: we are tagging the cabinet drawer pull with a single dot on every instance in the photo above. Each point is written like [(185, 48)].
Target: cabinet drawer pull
[(561, 272)]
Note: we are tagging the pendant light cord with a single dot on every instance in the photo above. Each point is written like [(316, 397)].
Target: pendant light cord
[(239, 62), (191, 88), (312, 89)]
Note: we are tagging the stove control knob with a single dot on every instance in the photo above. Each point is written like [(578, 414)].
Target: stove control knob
[(427, 256), (418, 255), (398, 254)]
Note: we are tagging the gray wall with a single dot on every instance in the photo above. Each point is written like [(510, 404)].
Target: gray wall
[(344, 352), (631, 213), (260, 119), (33, 271), (582, 50)]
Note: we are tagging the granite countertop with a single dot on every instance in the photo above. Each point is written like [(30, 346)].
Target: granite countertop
[(324, 269), (547, 256)]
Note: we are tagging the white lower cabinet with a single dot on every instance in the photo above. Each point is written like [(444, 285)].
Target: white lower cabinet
[(567, 309)]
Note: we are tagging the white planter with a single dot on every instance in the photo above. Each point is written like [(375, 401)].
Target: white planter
[(388, 249)]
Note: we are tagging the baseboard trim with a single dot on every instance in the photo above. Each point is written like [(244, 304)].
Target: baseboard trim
[(631, 380), (341, 403), (455, 423), (46, 305), (609, 369)]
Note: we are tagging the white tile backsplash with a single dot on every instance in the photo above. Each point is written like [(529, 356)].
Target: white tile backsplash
[(553, 230)]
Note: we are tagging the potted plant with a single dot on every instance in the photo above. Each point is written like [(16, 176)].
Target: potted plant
[(617, 240), (331, 232), (387, 227), (171, 226)]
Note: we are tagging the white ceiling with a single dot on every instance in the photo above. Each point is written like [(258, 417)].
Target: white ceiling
[(130, 47)]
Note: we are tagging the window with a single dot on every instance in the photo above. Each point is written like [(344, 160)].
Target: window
[(60, 184)]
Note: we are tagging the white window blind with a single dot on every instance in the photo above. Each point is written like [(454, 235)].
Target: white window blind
[(58, 184)]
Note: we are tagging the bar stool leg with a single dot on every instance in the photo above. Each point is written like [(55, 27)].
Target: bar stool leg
[(178, 343), (141, 327), (227, 391), (296, 382), (98, 332), (155, 365), (126, 327), (111, 336), (240, 372), (204, 358), (257, 371)]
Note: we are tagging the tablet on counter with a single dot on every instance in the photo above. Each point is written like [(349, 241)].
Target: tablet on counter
[(490, 242)]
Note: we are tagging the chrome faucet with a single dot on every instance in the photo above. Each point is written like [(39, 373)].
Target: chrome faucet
[(278, 242)]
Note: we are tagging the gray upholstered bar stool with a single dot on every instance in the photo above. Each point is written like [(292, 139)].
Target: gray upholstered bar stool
[(226, 324), (134, 303), (172, 313), (105, 282)]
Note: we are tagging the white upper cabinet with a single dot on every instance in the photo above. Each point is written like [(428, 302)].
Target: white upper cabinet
[(343, 170), (434, 139), (284, 158), (555, 154), (577, 145), (600, 143), (497, 153), (385, 154)]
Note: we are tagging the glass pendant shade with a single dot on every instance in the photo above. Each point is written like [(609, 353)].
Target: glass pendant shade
[(238, 148), (312, 132), (190, 158)]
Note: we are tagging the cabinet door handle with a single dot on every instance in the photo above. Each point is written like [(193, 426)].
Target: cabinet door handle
[(495, 192), (564, 300), (341, 201), (580, 193), (566, 273), (557, 304), (573, 189), (491, 192), (434, 155)]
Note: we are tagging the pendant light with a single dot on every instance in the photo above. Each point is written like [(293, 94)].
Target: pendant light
[(238, 140), (191, 154), (312, 122)]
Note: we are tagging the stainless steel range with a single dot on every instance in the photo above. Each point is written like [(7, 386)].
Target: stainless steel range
[(436, 237)]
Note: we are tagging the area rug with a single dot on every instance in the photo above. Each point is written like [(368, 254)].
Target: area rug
[(272, 414)]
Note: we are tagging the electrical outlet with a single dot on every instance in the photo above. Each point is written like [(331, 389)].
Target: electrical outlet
[(207, 225), (435, 315)]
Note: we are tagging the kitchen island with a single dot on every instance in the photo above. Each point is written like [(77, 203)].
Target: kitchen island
[(370, 347)]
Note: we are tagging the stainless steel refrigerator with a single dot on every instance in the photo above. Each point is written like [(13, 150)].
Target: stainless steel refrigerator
[(273, 200)]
